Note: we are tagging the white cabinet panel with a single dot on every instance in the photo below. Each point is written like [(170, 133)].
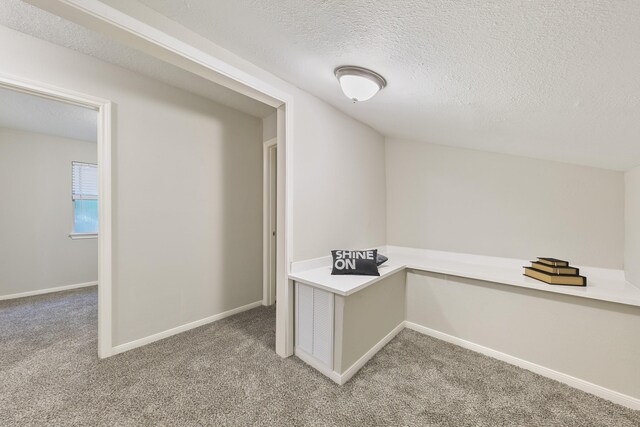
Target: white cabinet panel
[(323, 326), (314, 323), (304, 317)]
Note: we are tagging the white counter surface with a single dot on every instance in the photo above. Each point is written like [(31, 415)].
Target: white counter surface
[(602, 284)]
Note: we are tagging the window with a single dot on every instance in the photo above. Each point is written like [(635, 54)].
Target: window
[(84, 194)]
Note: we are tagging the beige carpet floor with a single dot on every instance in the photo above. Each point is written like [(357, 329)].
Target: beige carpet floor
[(227, 373)]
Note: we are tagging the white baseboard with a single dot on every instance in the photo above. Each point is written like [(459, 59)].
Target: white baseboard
[(316, 364), (351, 371), (605, 393), (173, 331), (48, 290)]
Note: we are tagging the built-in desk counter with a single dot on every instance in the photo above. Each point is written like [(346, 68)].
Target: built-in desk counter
[(602, 284), (342, 321)]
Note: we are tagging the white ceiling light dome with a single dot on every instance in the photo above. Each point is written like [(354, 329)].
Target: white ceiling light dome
[(359, 84)]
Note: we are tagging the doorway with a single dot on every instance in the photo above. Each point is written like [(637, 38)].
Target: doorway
[(270, 220), (85, 200)]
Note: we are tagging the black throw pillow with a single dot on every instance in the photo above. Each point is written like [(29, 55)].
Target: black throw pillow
[(361, 263), (381, 259)]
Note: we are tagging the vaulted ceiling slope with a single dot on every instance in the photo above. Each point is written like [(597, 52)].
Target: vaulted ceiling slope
[(31, 20), (547, 79)]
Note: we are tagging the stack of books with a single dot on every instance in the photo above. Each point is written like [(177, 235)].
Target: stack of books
[(555, 272)]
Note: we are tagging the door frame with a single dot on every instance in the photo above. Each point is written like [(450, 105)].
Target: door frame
[(136, 28), (103, 108), (269, 203)]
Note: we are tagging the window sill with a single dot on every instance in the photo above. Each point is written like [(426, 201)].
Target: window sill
[(80, 236)]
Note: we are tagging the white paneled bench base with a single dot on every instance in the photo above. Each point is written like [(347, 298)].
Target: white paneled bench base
[(343, 321)]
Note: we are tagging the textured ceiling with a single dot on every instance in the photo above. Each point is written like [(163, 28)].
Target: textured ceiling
[(32, 113), (28, 19), (546, 78)]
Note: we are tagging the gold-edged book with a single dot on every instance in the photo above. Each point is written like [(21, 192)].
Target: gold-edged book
[(555, 279), (554, 262), (554, 270)]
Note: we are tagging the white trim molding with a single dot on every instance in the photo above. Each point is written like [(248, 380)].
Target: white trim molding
[(48, 290), (341, 379), (137, 27), (353, 369), (605, 393), (105, 230), (318, 365), (586, 386), (267, 254), (183, 328)]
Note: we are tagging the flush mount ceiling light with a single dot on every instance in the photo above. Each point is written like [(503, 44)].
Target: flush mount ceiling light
[(359, 84)]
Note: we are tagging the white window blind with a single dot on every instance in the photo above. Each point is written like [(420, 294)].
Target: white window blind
[(85, 181)]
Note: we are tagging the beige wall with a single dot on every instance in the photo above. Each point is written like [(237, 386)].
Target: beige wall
[(483, 203), (363, 319), (339, 182), (592, 340), (187, 181), (632, 226), (37, 214)]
